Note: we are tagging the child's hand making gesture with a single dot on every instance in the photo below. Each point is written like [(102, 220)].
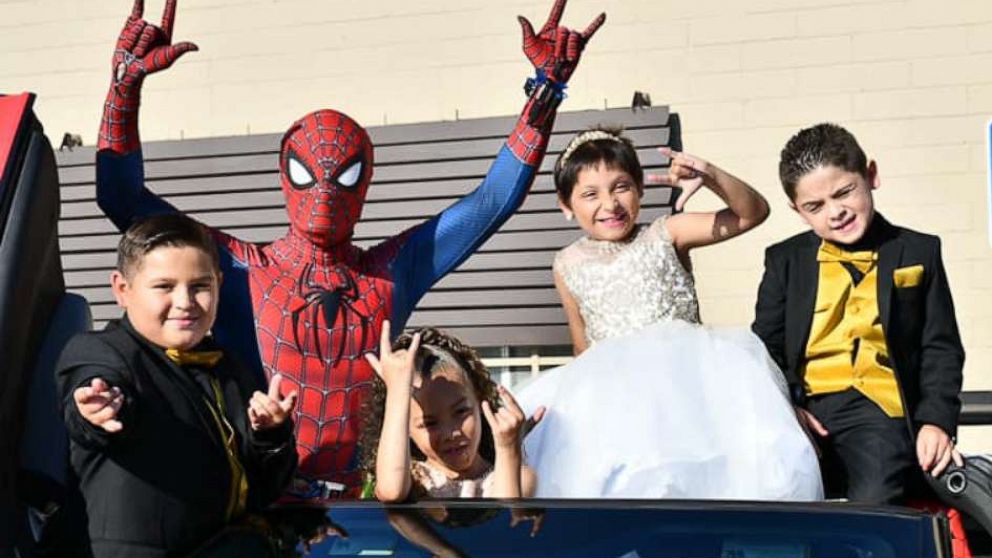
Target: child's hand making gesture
[(509, 423), (513, 478), (392, 469), (99, 403), (395, 368), (746, 208), (269, 410)]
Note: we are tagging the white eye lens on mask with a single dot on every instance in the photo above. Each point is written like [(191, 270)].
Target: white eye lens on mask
[(298, 174), (349, 177)]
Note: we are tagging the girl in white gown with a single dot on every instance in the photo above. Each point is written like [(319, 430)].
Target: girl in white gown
[(657, 405)]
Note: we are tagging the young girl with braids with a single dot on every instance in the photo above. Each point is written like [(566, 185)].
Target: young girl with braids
[(657, 405), (444, 429)]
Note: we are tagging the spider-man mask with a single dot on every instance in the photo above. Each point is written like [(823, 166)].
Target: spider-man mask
[(325, 168)]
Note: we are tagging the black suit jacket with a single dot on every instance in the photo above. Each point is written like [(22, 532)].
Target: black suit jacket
[(919, 323), (160, 486)]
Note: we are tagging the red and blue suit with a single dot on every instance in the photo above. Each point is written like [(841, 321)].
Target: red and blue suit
[(310, 304)]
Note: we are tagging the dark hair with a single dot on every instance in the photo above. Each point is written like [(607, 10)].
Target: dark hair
[(821, 145), (172, 230), (438, 351), (616, 152)]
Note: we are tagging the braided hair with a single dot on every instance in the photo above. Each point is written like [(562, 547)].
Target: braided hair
[(438, 351)]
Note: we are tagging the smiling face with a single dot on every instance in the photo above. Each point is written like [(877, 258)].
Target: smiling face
[(837, 204), (171, 295), (445, 423), (605, 202)]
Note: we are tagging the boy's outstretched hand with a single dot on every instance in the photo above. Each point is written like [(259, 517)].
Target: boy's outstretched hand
[(269, 410), (99, 404)]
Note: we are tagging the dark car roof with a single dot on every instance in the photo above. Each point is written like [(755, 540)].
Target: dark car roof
[(630, 529)]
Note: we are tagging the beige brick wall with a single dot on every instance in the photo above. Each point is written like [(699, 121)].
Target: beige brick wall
[(912, 78)]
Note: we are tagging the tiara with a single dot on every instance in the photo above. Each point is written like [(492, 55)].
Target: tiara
[(585, 137)]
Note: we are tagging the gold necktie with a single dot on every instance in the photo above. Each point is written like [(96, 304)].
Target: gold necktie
[(207, 359)]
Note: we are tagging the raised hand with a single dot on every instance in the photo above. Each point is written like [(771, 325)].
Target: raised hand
[(269, 410), (395, 368), (142, 49), (688, 172), (555, 49), (99, 403), (508, 422)]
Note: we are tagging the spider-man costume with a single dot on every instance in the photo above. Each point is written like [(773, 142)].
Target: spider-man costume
[(311, 304)]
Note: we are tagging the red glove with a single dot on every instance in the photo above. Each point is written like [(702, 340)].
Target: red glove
[(142, 49), (555, 50), (555, 53)]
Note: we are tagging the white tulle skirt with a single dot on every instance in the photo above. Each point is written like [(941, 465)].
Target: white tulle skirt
[(676, 410)]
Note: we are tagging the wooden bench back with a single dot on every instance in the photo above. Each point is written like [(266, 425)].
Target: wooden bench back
[(502, 296)]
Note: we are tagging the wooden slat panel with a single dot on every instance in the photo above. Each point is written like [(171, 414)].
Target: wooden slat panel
[(439, 166), (480, 261), (210, 208), (383, 136), (104, 310), (512, 335), (437, 299), (81, 186), (98, 251), (503, 295)]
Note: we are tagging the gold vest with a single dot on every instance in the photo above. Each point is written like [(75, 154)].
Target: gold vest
[(846, 343)]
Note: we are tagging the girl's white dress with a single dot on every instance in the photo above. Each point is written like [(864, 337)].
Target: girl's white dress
[(660, 406)]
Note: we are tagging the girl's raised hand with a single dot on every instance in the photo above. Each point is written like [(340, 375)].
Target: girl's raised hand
[(395, 368), (508, 421), (688, 172)]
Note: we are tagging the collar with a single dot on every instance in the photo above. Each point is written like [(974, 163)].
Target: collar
[(206, 353)]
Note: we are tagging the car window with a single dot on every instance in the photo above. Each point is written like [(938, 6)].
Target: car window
[(625, 533)]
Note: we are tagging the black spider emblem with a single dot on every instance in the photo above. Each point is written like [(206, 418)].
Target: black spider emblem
[(340, 301)]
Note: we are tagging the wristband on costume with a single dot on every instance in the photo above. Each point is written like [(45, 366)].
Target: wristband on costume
[(547, 94)]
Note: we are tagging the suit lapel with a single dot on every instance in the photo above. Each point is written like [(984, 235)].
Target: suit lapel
[(889, 256), (177, 386), (807, 279)]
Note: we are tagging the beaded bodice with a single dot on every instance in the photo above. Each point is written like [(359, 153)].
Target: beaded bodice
[(621, 287)]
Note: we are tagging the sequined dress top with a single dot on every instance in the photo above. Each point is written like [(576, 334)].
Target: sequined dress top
[(621, 287)]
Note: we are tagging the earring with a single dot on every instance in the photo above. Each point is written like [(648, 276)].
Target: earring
[(569, 216)]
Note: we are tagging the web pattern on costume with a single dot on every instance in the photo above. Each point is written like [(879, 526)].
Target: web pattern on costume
[(311, 303), (325, 145), (319, 302), (314, 326)]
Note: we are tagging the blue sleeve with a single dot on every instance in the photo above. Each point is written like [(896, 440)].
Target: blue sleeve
[(441, 244), (121, 192)]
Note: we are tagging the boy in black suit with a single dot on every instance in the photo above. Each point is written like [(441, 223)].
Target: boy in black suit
[(858, 314), (170, 439)]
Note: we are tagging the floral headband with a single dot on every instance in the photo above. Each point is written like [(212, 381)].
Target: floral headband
[(585, 137)]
